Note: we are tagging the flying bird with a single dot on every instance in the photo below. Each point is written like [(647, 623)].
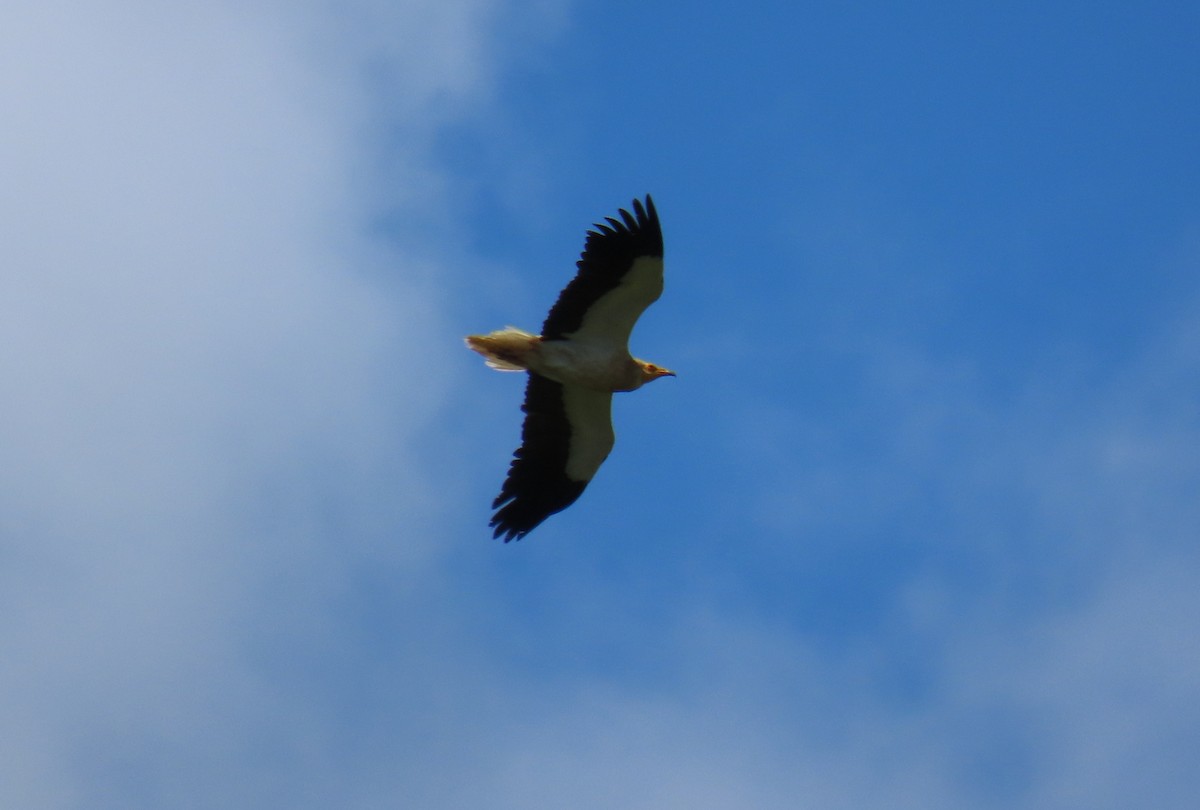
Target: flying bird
[(575, 365)]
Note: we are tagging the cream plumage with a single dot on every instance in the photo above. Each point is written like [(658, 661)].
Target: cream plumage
[(575, 365)]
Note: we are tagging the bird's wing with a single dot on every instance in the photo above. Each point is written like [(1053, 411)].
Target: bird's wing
[(620, 274), (567, 435)]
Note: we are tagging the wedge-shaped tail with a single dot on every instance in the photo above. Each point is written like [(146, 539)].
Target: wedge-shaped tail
[(505, 349)]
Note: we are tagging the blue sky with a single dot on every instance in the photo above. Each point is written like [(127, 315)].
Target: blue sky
[(916, 526)]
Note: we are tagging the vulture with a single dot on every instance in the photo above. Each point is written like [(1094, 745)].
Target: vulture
[(580, 359)]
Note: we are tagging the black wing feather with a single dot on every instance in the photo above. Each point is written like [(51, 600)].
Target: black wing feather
[(608, 254), (537, 485)]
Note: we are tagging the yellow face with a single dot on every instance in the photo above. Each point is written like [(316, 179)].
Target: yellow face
[(653, 372)]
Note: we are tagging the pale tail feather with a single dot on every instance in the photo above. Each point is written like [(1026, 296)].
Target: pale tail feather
[(504, 350)]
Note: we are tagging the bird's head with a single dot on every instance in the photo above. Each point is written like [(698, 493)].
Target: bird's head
[(653, 372)]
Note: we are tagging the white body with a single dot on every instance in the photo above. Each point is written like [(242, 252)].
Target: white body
[(595, 365)]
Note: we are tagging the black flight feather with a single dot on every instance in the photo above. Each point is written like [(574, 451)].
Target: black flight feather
[(537, 485)]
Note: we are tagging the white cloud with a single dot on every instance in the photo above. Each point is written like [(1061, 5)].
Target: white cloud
[(208, 367)]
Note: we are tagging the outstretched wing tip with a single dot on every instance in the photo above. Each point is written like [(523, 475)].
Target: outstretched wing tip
[(505, 532), (501, 521), (644, 216)]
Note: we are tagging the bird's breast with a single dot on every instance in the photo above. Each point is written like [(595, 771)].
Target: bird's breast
[(599, 368)]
